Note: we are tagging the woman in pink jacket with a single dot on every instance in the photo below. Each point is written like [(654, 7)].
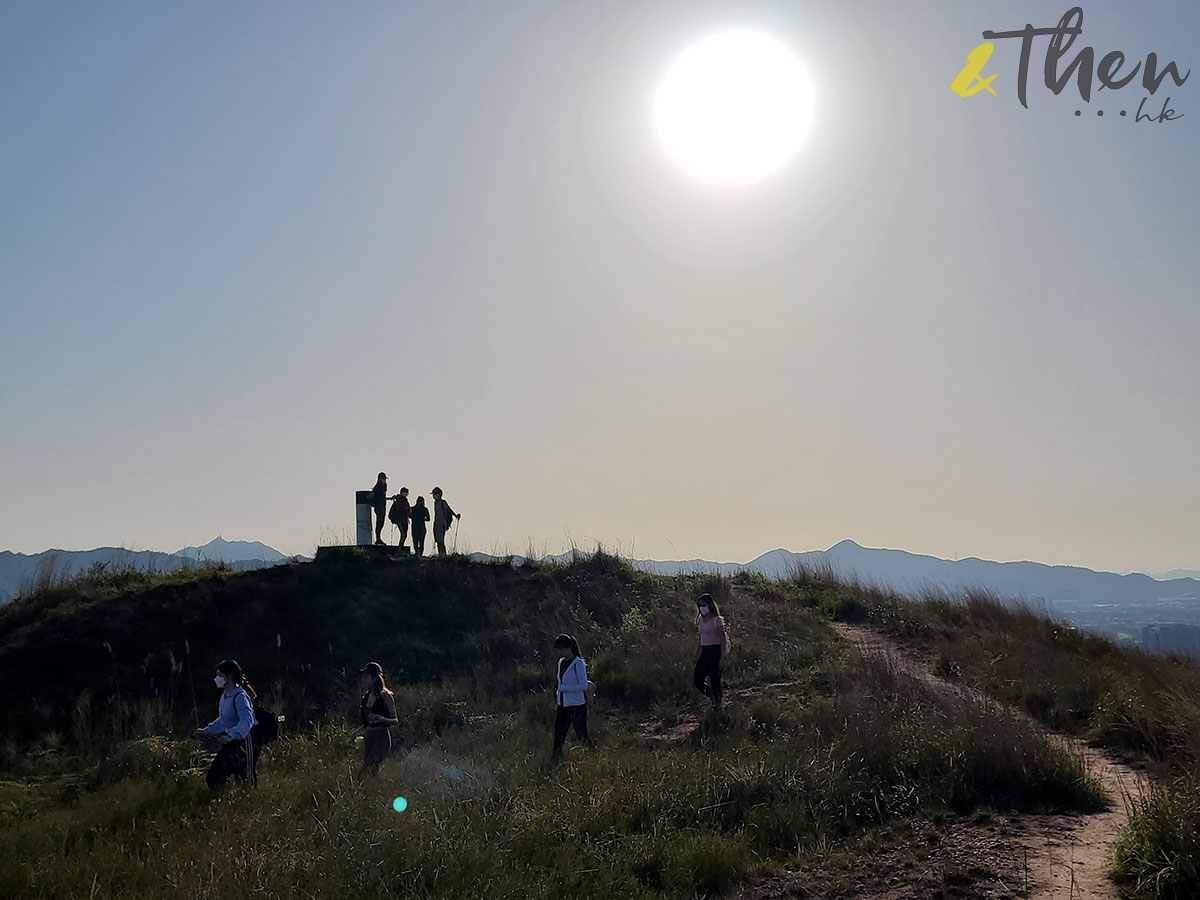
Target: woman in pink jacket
[(712, 647)]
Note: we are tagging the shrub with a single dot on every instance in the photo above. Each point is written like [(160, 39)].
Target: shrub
[(634, 621), (849, 608), (1158, 854)]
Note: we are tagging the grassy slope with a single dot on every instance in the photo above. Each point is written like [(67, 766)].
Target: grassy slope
[(814, 752), (301, 631), (1138, 705)]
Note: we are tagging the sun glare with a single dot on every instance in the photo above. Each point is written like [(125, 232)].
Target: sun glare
[(734, 106)]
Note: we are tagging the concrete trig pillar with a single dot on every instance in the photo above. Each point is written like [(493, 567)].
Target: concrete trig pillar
[(362, 513)]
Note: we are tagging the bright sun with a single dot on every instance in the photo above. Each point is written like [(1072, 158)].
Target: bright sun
[(734, 106)]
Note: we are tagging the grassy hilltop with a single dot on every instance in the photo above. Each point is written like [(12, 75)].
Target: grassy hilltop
[(822, 764)]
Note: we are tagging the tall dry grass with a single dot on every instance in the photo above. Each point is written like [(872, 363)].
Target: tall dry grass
[(814, 749)]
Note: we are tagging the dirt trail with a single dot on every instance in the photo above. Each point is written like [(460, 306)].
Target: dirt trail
[(1068, 856)]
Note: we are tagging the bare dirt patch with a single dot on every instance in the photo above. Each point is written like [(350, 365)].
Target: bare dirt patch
[(1040, 857)]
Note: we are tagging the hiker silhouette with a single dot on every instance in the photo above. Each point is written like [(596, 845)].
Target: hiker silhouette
[(400, 514), (379, 499), (420, 515), (443, 518)]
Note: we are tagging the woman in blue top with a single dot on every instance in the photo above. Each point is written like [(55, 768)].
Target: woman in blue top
[(238, 755)]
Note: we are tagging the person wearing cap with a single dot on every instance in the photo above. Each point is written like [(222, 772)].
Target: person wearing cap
[(443, 518), (379, 499), (377, 711)]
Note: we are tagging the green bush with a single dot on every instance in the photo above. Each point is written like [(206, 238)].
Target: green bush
[(849, 608), (1158, 854)]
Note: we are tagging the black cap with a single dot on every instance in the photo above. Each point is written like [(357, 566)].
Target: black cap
[(373, 667)]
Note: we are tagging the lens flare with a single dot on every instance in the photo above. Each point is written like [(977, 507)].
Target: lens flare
[(399, 804)]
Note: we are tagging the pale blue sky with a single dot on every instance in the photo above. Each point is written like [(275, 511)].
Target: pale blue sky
[(252, 254)]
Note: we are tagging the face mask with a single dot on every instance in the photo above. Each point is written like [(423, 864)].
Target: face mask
[(704, 610), (219, 681)]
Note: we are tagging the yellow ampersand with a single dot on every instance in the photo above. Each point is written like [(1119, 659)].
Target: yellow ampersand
[(976, 60)]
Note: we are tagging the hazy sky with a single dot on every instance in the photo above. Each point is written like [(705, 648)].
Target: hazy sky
[(251, 254)]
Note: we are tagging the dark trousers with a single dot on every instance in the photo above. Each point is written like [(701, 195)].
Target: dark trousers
[(709, 666), (380, 521), (419, 541), (377, 744), (564, 718), (237, 759), (439, 538), (403, 532)]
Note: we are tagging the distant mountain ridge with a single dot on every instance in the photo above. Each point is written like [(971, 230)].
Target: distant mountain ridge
[(913, 573), (1122, 606), (1178, 573), (17, 570)]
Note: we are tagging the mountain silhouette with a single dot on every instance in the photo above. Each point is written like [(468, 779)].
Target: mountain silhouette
[(221, 550), (19, 571)]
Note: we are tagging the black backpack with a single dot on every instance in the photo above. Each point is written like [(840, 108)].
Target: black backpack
[(267, 728), (396, 514)]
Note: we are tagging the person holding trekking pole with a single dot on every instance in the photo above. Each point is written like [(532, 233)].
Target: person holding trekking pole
[(443, 518)]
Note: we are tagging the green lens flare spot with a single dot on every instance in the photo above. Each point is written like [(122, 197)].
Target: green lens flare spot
[(399, 804)]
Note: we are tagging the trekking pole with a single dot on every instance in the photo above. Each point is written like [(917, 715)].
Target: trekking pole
[(454, 549)]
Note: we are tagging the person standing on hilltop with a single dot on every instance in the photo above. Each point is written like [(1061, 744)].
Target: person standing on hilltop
[(377, 710), (238, 755), (443, 518), (420, 515), (713, 647), (379, 499), (401, 513)]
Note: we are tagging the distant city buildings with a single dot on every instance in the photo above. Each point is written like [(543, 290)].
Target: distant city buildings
[(1175, 638)]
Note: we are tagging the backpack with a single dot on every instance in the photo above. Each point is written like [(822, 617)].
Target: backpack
[(396, 513), (266, 728)]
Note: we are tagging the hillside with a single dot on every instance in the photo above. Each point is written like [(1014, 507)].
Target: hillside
[(813, 781), (1156, 614), (1133, 608)]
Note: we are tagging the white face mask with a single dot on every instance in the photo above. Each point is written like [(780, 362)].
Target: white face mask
[(219, 681), (704, 610)]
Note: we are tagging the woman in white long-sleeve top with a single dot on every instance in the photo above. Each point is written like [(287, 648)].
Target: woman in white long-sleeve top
[(238, 755), (571, 693)]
